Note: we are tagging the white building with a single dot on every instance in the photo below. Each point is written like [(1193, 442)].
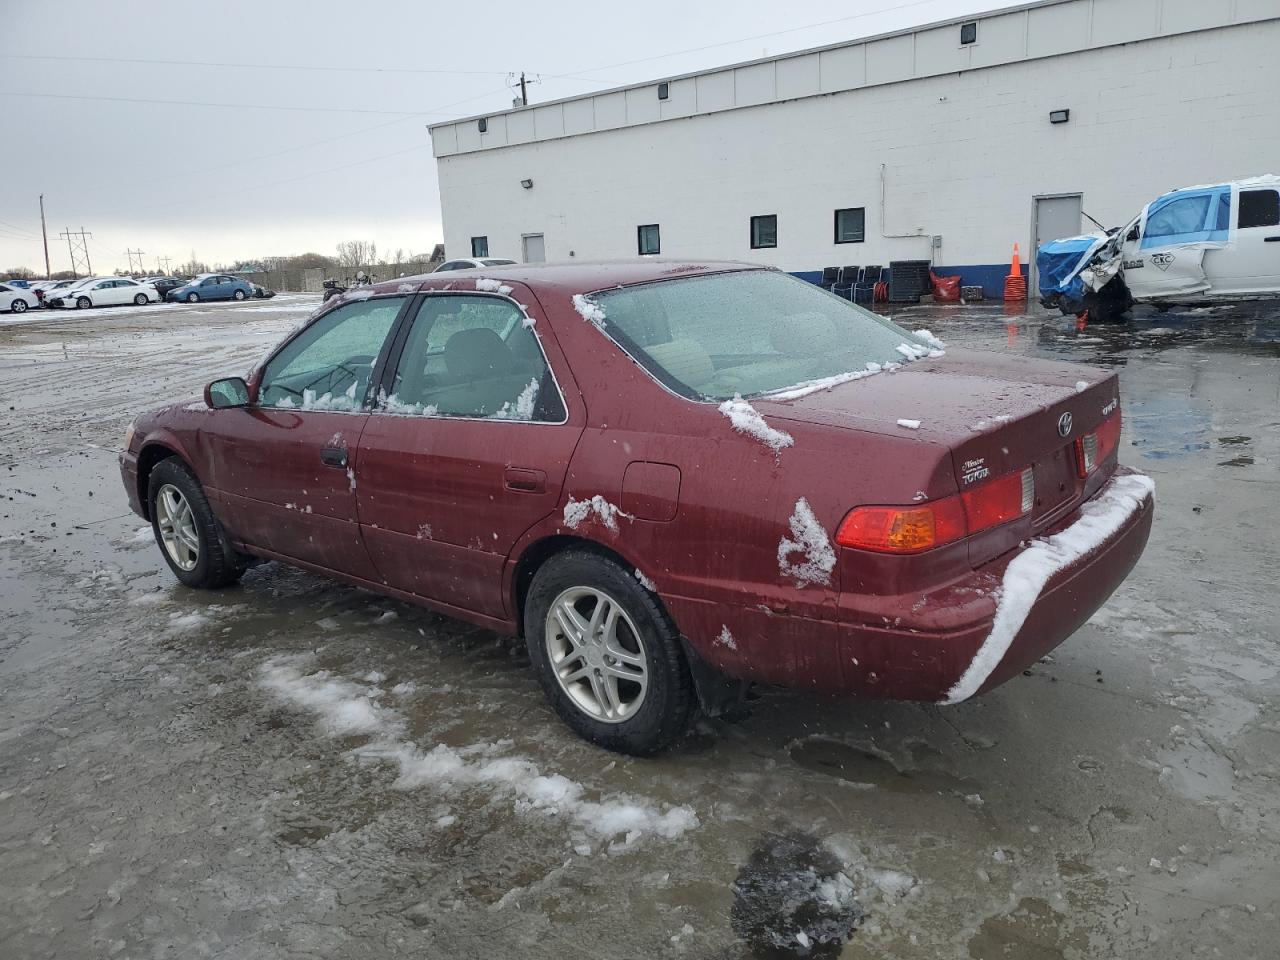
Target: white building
[(947, 142)]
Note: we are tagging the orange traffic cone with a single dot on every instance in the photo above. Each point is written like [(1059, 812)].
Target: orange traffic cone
[(1015, 284)]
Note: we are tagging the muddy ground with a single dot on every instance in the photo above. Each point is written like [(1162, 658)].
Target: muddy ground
[(293, 768)]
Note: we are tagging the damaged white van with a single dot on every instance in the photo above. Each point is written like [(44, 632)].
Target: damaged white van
[(1196, 245)]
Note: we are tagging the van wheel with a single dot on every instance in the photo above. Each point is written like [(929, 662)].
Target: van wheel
[(190, 537), (606, 655)]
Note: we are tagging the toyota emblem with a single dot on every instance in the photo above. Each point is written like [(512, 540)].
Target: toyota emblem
[(1064, 425)]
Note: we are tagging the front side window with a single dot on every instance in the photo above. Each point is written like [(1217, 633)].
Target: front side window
[(473, 357), (328, 365), (851, 225), (648, 240), (748, 333), (479, 246), (764, 232), (1259, 208), (1179, 217)]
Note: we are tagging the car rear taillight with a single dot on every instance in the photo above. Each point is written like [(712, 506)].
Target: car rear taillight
[(927, 525), (1092, 449)]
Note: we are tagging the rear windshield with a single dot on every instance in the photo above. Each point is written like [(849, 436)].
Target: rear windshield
[(749, 333)]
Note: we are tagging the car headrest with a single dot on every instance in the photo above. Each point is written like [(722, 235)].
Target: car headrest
[(805, 335), (686, 360), (476, 354)]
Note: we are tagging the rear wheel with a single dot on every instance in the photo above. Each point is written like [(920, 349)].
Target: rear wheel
[(140, 299), (18, 306), (192, 540), (83, 302), (239, 295), (606, 655), (193, 298)]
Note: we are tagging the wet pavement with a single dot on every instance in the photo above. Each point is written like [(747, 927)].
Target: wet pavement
[(294, 768)]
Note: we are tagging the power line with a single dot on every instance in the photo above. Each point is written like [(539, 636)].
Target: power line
[(14, 228), (260, 66), (232, 106)]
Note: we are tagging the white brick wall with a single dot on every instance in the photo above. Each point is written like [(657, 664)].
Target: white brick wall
[(964, 154)]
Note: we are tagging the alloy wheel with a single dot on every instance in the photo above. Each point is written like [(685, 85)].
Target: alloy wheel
[(177, 525), (596, 654)]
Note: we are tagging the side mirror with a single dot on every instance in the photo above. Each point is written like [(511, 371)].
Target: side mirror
[(1134, 233), (231, 392)]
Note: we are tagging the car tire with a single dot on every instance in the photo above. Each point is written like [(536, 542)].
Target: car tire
[(83, 303), (140, 300), (18, 306), (650, 714), (192, 541), (193, 298), (238, 295)]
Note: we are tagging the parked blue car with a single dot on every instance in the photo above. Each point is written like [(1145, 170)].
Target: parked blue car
[(212, 286)]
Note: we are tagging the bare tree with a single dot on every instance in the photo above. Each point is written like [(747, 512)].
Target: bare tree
[(357, 253), (20, 273)]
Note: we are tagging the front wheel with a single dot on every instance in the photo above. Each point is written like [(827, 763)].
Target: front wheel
[(83, 303), (606, 655), (193, 298), (238, 295), (140, 300), (192, 540)]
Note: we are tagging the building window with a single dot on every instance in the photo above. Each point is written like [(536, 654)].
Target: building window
[(484, 124), (1258, 208), (664, 90), (968, 33), (764, 231), (851, 225), (647, 240), (479, 246)]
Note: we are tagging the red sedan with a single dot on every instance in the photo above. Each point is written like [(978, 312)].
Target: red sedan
[(672, 479)]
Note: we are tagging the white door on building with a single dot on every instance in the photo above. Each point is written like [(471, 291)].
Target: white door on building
[(535, 249), (1056, 218)]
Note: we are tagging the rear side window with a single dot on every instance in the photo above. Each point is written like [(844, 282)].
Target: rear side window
[(748, 333), (1259, 208), (328, 365), (473, 357)]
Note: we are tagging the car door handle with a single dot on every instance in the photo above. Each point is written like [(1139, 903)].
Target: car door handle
[(1271, 240), (525, 481), (334, 456)]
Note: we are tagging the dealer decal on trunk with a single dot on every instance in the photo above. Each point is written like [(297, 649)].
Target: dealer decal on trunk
[(975, 469)]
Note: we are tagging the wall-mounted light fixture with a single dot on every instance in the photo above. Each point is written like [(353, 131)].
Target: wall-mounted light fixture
[(483, 124), (527, 184), (1059, 116), (664, 90)]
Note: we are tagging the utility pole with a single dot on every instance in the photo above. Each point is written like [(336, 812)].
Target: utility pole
[(524, 91), (44, 233), (132, 254), (165, 269), (78, 247)]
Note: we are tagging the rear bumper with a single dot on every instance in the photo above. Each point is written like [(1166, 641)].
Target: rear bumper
[(963, 639), (129, 475)]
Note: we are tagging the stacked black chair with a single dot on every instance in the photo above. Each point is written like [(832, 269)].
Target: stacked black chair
[(864, 291), (829, 277), (847, 280)]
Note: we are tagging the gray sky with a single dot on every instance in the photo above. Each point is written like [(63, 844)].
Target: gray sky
[(350, 157)]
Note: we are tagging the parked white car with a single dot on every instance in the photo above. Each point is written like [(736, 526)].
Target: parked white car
[(471, 263), (105, 292), (17, 299), (1195, 245)]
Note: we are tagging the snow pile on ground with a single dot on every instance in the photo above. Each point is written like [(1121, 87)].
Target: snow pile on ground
[(818, 558), (1024, 578), (522, 408), (747, 420), (646, 582), (589, 310), (346, 708), (492, 286), (576, 511), (909, 424)]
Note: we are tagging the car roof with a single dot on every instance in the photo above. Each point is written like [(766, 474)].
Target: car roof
[(576, 276)]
